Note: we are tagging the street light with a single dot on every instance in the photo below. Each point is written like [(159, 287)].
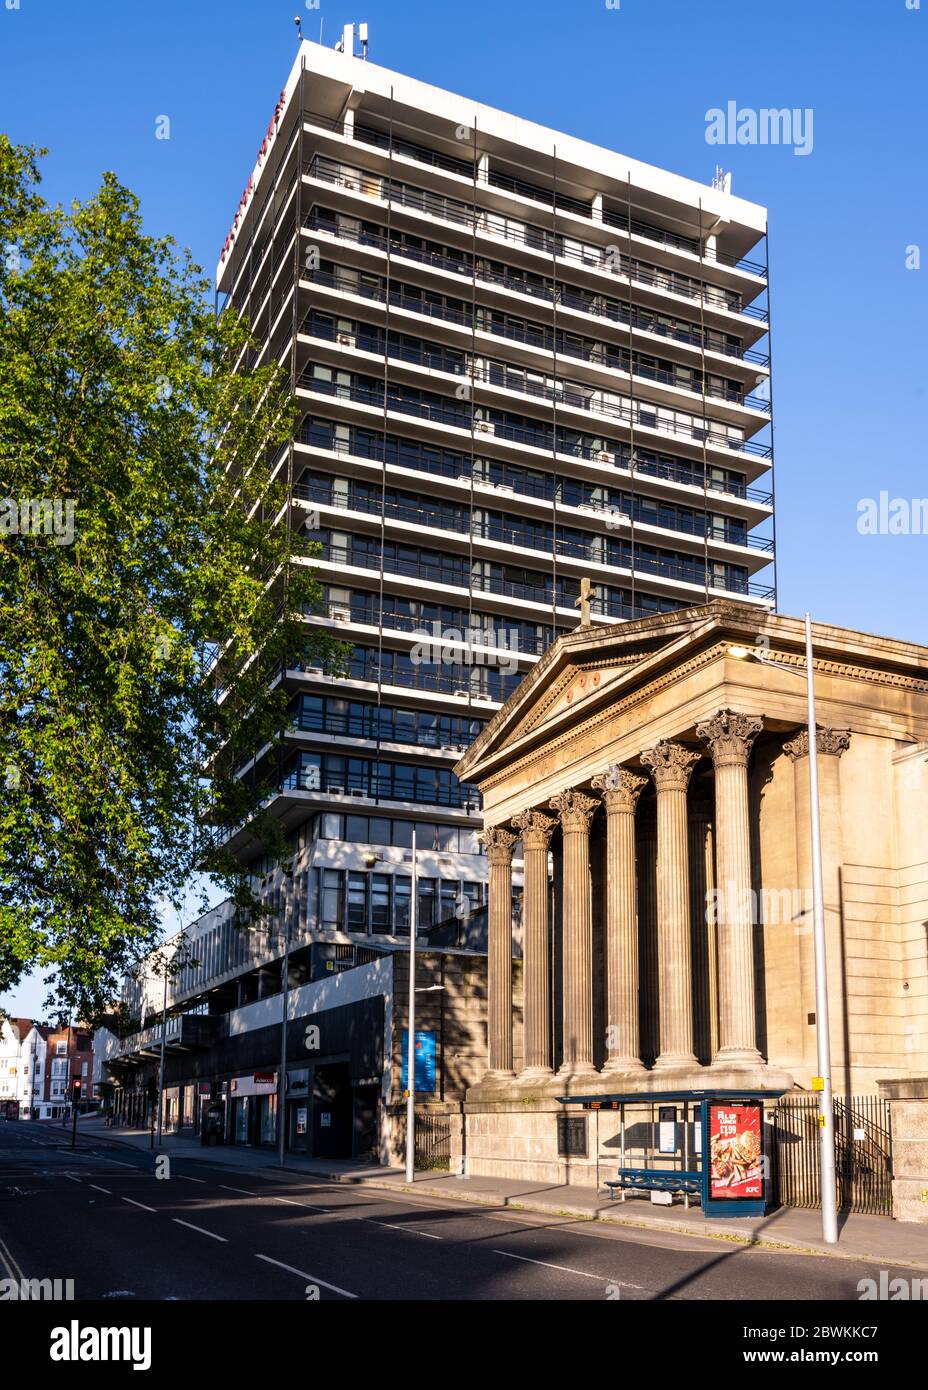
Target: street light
[(822, 1035), (370, 860)]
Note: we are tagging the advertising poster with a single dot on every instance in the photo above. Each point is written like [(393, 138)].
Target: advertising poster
[(426, 1051), (735, 1151)]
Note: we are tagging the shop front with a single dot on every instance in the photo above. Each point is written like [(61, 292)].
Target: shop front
[(254, 1109)]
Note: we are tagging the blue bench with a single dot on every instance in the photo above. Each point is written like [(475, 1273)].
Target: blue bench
[(656, 1180)]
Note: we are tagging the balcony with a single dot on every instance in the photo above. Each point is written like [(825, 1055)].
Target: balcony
[(371, 785), (182, 1033), (462, 417), (564, 296), (405, 453), (535, 239), (433, 356), (548, 198), (435, 574), (486, 528)]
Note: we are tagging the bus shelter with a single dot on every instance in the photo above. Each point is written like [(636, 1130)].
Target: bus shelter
[(708, 1146)]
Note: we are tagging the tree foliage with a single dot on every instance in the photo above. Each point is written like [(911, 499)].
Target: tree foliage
[(124, 398)]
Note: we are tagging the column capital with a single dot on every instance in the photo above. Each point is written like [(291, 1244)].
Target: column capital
[(619, 788), (499, 843), (671, 765), (536, 829), (730, 736), (575, 810), (831, 741)]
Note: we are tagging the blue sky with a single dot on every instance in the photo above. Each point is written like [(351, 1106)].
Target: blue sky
[(89, 81)]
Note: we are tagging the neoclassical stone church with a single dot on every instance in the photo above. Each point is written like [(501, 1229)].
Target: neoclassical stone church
[(653, 779)]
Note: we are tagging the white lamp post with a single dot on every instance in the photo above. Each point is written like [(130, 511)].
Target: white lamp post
[(829, 1185)]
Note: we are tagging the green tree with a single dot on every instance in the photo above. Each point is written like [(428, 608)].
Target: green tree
[(150, 584)]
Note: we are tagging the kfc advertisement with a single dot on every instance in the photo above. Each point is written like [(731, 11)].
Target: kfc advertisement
[(735, 1151)]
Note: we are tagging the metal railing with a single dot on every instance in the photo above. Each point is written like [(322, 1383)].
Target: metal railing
[(594, 257), (599, 354), (642, 415), (418, 515), (412, 455), (369, 727), (549, 198), (462, 577), (863, 1153)]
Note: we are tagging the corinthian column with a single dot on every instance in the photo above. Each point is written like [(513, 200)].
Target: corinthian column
[(499, 845), (671, 766), (536, 831), (576, 811), (620, 789), (730, 736)]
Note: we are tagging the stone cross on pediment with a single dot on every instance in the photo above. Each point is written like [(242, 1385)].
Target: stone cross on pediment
[(587, 593)]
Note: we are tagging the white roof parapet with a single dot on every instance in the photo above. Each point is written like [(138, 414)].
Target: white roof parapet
[(361, 76)]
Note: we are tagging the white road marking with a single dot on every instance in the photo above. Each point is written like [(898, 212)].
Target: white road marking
[(104, 1190), (308, 1205), (310, 1278), (133, 1203), (244, 1190), (186, 1179), (191, 1227), (70, 1177), (9, 1264), (565, 1269), (406, 1230)]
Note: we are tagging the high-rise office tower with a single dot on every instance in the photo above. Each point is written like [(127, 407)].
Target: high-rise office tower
[(522, 361)]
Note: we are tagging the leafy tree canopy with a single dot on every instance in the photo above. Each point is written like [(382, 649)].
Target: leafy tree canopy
[(144, 543)]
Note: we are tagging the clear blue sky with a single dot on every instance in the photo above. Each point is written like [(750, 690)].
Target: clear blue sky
[(850, 370)]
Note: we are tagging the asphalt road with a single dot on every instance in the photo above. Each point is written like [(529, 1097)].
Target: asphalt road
[(101, 1216)]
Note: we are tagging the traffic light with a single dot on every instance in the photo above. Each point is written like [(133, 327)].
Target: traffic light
[(76, 1087)]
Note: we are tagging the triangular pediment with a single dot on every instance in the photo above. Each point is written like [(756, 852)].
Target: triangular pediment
[(582, 668), (577, 686)]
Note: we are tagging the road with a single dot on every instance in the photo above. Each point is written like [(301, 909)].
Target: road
[(99, 1215)]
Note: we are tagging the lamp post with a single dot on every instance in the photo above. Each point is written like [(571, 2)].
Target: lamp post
[(164, 1029), (411, 1039), (285, 994), (370, 860), (822, 1034)]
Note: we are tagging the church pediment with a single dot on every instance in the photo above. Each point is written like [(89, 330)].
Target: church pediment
[(577, 687), (578, 670)]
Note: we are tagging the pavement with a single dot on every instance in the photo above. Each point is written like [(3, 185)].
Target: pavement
[(860, 1237), (111, 1220)]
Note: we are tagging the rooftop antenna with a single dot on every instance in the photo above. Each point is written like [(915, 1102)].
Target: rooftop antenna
[(346, 42), (721, 180)]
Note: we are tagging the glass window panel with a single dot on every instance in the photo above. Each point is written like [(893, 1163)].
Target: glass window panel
[(380, 902), (379, 832), (402, 834), (356, 830)]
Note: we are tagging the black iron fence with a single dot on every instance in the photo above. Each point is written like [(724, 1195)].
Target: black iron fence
[(433, 1141), (863, 1153)]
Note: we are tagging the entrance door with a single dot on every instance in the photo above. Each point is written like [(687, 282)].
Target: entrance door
[(298, 1132), (366, 1136), (240, 1120), (332, 1112)]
